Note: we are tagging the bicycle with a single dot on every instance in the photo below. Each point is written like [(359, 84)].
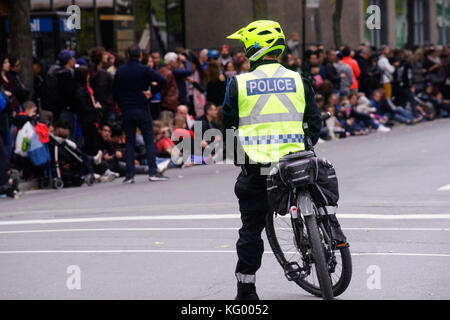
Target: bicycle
[(302, 244)]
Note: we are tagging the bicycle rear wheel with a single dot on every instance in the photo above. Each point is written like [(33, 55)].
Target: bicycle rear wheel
[(318, 257)]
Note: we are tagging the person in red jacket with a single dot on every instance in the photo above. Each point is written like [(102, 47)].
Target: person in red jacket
[(348, 60)]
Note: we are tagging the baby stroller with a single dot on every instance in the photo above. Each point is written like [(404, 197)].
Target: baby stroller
[(70, 166)]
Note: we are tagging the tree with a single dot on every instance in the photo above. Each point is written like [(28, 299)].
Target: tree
[(337, 14), (20, 38)]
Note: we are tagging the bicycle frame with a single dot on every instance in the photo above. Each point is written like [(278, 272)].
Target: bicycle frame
[(305, 207)]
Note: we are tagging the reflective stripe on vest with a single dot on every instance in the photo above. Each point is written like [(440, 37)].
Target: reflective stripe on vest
[(271, 110), (284, 138)]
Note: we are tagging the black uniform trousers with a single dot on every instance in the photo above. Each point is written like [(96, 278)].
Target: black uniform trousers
[(251, 190)]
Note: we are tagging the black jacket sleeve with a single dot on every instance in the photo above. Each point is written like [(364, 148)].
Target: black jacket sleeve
[(230, 107), (312, 114)]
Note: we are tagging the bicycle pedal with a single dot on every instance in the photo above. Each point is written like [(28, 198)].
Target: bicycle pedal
[(292, 271)]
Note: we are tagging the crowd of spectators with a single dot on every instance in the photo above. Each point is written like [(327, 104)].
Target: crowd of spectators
[(78, 100), (370, 89)]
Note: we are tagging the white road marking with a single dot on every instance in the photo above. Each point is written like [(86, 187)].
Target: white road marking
[(215, 206), (139, 208), (394, 216), (208, 252), (396, 229), (119, 219), (199, 229), (218, 217), (445, 188), (117, 229)]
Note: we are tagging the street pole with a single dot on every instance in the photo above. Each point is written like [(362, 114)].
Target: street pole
[(150, 24), (166, 11), (303, 30), (183, 22), (96, 33)]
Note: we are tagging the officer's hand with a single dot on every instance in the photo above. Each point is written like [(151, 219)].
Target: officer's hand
[(147, 94)]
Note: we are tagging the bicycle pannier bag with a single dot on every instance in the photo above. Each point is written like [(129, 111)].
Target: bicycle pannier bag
[(325, 191), (299, 170), (277, 193), (301, 173)]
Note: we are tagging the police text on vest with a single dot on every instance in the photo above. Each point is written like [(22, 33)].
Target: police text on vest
[(271, 86)]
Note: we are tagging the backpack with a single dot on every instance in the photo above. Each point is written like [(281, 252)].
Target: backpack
[(52, 96)]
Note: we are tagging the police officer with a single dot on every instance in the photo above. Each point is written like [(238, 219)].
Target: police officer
[(268, 106)]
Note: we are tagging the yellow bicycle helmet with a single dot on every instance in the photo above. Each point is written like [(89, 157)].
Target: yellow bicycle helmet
[(261, 37)]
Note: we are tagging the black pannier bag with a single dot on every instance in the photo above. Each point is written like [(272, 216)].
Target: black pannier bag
[(325, 190), (318, 175), (278, 193), (293, 171), (332, 224), (302, 169), (300, 173)]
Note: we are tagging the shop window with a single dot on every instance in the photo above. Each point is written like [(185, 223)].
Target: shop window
[(421, 14), (443, 21)]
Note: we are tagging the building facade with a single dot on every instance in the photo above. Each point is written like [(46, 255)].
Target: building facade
[(430, 20), (198, 24), (231, 15)]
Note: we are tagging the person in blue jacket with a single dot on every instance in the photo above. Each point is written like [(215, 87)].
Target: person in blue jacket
[(131, 92)]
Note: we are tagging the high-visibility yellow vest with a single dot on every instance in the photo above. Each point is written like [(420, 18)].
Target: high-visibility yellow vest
[(271, 110)]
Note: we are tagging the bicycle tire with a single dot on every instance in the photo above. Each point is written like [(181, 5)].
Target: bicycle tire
[(344, 281), (338, 288), (318, 254)]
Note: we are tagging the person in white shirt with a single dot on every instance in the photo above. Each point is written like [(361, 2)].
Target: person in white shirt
[(387, 70)]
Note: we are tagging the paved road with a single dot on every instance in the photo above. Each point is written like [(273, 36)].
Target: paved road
[(176, 240)]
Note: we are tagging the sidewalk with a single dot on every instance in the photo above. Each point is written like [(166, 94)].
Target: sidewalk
[(28, 185)]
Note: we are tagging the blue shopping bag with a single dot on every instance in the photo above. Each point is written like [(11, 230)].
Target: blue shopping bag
[(38, 152)]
